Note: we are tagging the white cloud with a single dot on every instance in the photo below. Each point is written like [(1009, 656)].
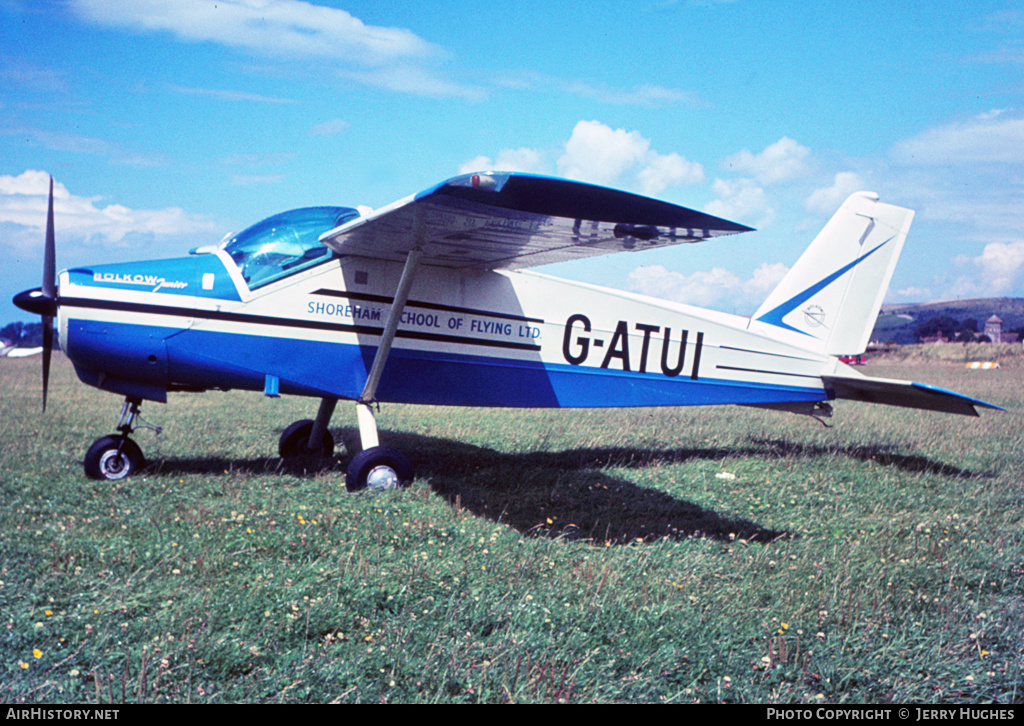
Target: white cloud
[(829, 199), (741, 199), (283, 27), (713, 288), (998, 270), (994, 137), (765, 278), (250, 180), (387, 57), (670, 170), (23, 202), (782, 161), (228, 95), (599, 154), (645, 95), (915, 294), (524, 160), (330, 128), (410, 78)]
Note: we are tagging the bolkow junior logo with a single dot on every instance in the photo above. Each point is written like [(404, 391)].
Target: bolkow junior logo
[(143, 280)]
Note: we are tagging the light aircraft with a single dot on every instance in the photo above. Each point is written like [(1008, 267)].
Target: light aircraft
[(428, 301), (21, 352)]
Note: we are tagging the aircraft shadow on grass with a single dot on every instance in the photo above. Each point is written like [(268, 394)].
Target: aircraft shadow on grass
[(569, 494)]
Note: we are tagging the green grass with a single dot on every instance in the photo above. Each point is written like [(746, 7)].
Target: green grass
[(682, 555)]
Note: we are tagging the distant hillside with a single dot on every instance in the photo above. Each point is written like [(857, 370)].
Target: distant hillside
[(898, 323)]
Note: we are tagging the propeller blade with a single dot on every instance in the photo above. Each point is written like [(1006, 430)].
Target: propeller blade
[(47, 350), (43, 301), (50, 253), (49, 292)]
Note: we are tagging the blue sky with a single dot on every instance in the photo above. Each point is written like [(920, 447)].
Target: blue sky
[(168, 123)]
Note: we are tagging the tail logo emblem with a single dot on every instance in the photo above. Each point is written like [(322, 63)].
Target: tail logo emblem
[(814, 316)]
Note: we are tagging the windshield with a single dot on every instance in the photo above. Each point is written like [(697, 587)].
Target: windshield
[(285, 243)]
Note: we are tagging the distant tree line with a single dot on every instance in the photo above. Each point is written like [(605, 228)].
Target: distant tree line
[(964, 331), (949, 328), (23, 335)]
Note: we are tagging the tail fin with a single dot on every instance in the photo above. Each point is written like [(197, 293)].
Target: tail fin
[(829, 300)]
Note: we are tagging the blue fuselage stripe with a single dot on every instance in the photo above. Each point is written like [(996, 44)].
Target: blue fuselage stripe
[(176, 358)]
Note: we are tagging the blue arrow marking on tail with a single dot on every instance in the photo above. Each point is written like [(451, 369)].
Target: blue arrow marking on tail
[(775, 315)]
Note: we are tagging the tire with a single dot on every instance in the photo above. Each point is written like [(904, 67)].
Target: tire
[(378, 469), (294, 442), (113, 458)]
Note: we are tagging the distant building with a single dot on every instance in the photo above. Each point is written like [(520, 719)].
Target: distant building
[(994, 329)]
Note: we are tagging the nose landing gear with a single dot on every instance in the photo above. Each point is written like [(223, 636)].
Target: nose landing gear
[(116, 457)]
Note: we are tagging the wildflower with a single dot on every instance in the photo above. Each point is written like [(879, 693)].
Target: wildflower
[(23, 665), (36, 653)]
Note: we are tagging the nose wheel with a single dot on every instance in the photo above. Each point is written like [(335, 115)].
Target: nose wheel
[(117, 457), (113, 458)]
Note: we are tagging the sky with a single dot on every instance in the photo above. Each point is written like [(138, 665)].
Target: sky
[(167, 124)]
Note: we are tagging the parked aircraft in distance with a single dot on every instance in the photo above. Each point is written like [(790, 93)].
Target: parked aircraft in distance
[(428, 301)]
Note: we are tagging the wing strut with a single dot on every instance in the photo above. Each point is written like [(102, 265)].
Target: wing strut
[(364, 410)]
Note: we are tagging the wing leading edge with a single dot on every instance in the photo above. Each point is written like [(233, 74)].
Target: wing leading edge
[(508, 220)]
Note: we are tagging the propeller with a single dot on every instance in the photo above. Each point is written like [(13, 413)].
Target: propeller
[(43, 301)]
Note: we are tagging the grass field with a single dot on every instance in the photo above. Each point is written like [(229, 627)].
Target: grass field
[(657, 555)]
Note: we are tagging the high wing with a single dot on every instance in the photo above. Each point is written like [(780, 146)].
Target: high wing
[(505, 220)]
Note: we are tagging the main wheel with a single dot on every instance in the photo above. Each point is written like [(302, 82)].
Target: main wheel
[(295, 442), (113, 458), (378, 468)]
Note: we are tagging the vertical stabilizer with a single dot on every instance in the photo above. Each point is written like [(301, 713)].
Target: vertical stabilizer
[(829, 300)]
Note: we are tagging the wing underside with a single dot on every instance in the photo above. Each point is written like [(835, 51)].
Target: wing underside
[(509, 221)]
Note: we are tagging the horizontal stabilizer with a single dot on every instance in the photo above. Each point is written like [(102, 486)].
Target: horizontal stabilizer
[(509, 220), (903, 393)]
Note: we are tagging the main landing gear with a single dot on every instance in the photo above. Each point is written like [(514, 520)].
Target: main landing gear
[(376, 467), (116, 457)]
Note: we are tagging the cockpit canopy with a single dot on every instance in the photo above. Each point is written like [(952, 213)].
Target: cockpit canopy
[(285, 243)]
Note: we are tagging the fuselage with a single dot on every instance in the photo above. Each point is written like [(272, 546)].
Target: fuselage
[(212, 320)]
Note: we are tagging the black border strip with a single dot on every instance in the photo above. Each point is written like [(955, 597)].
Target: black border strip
[(765, 352), (770, 373), (284, 322)]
